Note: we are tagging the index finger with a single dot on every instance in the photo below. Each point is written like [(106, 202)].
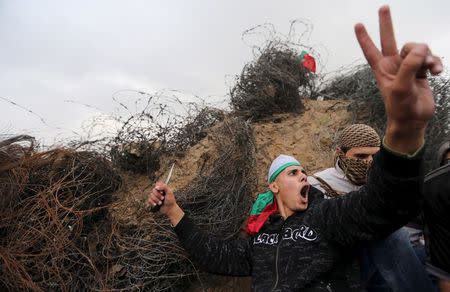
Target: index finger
[(369, 49), (160, 185)]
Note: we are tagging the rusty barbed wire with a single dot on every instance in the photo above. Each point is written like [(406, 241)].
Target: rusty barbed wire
[(275, 81), (58, 231)]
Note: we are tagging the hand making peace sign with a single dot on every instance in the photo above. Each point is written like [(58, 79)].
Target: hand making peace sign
[(401, 78)]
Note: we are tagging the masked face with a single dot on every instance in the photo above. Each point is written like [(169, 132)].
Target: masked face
[(356, 162)]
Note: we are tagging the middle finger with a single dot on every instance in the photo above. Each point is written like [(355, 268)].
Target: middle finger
[(387, 38)]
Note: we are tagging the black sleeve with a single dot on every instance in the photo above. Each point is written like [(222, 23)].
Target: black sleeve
[(391, 197), (437, 216), (225, 257)]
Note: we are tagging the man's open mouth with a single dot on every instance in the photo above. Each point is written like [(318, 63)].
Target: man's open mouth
[(304, 191)]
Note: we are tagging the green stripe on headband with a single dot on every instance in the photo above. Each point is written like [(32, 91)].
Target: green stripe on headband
[(280, 169)]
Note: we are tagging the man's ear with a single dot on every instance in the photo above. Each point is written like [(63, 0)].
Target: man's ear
[(274, 187)]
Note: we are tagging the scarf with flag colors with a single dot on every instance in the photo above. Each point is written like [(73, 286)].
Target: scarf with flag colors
[(265, 204)]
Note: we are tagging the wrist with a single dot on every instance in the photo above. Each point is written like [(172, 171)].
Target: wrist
[(175, 214), (405, 137)]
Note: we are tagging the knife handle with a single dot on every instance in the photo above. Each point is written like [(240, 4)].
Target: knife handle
[(156, 208)]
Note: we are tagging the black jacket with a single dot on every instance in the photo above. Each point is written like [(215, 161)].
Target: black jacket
[(437, 217), (303, 251)]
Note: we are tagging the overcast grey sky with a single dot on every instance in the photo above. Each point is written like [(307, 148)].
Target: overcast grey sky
[(85, 51)]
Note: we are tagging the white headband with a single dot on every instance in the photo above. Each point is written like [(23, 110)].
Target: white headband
[(279, 164)]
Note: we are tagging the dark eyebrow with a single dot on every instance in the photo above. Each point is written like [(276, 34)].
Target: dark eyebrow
[(296, 170)]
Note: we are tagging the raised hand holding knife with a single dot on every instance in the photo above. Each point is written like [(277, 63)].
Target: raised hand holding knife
[(157, 207)]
